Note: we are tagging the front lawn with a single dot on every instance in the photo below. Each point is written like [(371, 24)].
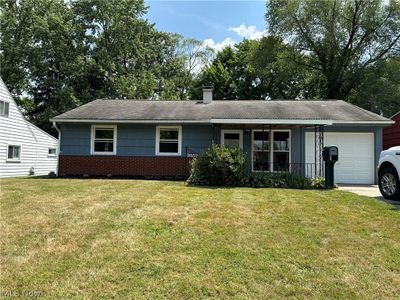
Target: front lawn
[(137, 239)]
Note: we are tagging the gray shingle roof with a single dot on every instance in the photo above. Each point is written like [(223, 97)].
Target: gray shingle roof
[(146, 110)]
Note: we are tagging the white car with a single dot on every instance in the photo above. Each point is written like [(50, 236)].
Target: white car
[(389, 173)]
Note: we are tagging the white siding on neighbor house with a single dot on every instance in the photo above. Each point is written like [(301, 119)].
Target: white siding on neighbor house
[(15, 130)]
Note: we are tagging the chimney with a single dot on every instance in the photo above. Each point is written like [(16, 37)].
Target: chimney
[(207, 95)]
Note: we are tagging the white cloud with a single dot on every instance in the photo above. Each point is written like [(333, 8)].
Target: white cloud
[(219, 46), (248, 32)]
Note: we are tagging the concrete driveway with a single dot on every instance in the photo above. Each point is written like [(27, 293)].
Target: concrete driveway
[(369, 191)]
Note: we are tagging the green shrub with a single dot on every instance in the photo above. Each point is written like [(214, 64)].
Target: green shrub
[(218, 165), (225, 166), (318, 182), (277, 180)]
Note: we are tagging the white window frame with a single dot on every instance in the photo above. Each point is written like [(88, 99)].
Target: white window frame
[(271, 149), (158, 128), (5, 115), (13, 159), (51, 155), (93, 135), (239, 131)]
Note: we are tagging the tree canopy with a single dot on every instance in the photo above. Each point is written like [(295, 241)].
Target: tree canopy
[(56, 55)]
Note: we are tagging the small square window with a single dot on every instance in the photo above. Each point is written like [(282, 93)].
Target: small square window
[(52, 152), (4, 109), (13, 153)]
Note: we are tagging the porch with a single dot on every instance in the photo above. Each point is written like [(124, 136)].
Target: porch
[(274, 147)]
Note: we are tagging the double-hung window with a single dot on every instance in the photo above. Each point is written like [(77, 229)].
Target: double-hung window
[(104, 139), (4, 108), (271, 150), (13, 153), (168, 140)]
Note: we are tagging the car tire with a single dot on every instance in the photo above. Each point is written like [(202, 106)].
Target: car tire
[(389, 184)]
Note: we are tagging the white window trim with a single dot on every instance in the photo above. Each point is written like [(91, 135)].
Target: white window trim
[(158, 153), (14, 159), (92, 139), (271, 149), (8, 115), (239, 131), (51, 155)]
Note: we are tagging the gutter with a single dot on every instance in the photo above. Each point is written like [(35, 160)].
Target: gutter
[(58, 146), (229, 121)]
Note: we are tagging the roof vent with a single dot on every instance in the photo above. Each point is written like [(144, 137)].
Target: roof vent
[(207, 95)]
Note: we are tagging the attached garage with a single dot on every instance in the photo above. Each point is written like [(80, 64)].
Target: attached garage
[(356, 163)]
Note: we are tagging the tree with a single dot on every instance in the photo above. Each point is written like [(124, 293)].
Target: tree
[(253, 69), (40, 52), (380, 90), (196, 56), (342, 38), (57, 55)]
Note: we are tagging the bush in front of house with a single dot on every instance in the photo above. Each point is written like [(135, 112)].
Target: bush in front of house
[(219, 166), (282, 180), (225, 166)]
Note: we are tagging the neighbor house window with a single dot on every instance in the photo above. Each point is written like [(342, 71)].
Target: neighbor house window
[(104, 139), (52, 152), (4, 108), (232, 138), (271, 150), (13, 153), (168, 140)]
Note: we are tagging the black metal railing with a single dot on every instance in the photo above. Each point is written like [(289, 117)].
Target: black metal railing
[(301, 169)]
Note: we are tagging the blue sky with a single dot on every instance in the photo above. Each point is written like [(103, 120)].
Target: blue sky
[(218, 23)]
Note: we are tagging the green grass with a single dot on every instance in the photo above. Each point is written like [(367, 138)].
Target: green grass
[(137, 239)]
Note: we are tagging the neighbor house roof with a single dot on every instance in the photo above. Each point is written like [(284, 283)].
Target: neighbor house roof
[(222, 111)]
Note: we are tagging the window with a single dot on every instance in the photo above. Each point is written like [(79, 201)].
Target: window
[(13, 153), (168, 140), (261, 153), (232, 138), (281, 153), (104, 139), (52, 152), (271, 150), (4, 108)]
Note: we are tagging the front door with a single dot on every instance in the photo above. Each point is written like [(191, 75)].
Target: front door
[(232, 138)]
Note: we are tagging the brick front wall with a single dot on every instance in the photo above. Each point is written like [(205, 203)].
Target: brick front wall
[(157, 166)]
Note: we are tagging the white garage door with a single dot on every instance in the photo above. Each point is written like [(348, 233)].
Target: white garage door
[(356, 155)]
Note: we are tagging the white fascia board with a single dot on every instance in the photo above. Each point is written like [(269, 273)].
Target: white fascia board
[(272, 121), (132, 121), (388, 122)]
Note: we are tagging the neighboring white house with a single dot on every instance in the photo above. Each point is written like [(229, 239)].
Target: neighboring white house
[(24, 148)]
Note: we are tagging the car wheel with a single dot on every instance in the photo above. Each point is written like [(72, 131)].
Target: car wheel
[(389, 184)]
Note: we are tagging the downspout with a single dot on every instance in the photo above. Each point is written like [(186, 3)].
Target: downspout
[(58, 146)]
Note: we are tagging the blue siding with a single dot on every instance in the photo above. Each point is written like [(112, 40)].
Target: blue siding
[(133, 139), (136, 140), (75, 139), (196, 138)]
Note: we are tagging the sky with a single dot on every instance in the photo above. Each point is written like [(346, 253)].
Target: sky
[(217, 23)]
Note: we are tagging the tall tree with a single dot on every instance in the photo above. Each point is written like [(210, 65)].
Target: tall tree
[(56, 55), (253, 69), (341, 37), (380, 89)]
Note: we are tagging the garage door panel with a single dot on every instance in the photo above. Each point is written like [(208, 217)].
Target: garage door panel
[(356, 155)]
